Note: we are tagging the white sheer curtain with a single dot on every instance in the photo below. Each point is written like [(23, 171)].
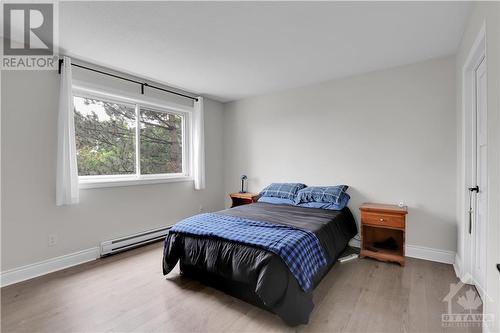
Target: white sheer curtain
[(67, 170), (199, 145)]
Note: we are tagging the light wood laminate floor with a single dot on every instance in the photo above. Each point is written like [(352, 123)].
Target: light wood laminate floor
[(128, 292)]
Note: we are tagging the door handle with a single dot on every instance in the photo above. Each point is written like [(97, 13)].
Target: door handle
[(474, 189)]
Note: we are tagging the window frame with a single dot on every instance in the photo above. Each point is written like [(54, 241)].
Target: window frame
[(98, 181)]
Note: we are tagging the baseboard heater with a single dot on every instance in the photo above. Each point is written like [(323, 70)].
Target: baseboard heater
[(129, 242)]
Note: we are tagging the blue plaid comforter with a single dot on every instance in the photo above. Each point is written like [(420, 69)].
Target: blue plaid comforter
[(299, 249)]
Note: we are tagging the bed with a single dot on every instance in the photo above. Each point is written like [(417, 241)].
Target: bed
[(255, 274)]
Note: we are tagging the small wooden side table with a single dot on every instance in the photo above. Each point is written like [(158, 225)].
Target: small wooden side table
[(239, 199), (383, 232)]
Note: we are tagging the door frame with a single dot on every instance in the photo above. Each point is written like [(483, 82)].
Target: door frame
[(477, 54), (482, 238)]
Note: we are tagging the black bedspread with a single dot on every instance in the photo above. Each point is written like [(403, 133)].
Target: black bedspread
[(254, 274)]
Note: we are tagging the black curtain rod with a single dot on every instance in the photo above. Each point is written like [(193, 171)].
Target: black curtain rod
[(142, 84)]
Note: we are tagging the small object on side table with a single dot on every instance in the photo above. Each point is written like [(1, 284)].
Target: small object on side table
[(383, 232), (243, 178), (239, 199)]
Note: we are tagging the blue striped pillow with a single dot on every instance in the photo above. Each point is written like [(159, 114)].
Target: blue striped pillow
[(329, 194), (282, 190), (344, 199)]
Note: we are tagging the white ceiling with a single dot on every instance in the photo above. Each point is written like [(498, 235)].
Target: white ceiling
[(235, 50)]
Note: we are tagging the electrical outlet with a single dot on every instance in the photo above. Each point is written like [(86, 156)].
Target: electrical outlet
[(52, 240), (201, 208)]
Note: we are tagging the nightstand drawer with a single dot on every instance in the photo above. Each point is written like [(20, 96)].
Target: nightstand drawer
[(394, 221)]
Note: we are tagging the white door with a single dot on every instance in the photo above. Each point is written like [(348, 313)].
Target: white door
[(479, 225)]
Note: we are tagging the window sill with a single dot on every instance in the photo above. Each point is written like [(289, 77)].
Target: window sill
[(119, 182)]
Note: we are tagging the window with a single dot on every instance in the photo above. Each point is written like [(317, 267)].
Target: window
[(161, 142), (121, 141), (105, 137)]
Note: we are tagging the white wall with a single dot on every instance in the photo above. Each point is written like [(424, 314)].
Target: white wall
[(29, 214), (488, 14), (390, 135)]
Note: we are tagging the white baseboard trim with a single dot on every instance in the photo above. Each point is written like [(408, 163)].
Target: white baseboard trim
[(355, 243), (421, 252), (27, 272), (457, 266), (431, 254)]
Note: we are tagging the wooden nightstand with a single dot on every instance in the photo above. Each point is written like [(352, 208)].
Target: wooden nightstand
[(239, 199), (383, 232)]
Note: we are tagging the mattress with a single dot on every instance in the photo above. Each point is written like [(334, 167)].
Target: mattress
[(254, 274)]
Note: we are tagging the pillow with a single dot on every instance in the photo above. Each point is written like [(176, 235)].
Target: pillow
[(282, 190), (328, 194), (276, 201), (325, 205)]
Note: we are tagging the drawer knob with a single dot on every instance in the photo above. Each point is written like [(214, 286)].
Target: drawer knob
[(381, 220)]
